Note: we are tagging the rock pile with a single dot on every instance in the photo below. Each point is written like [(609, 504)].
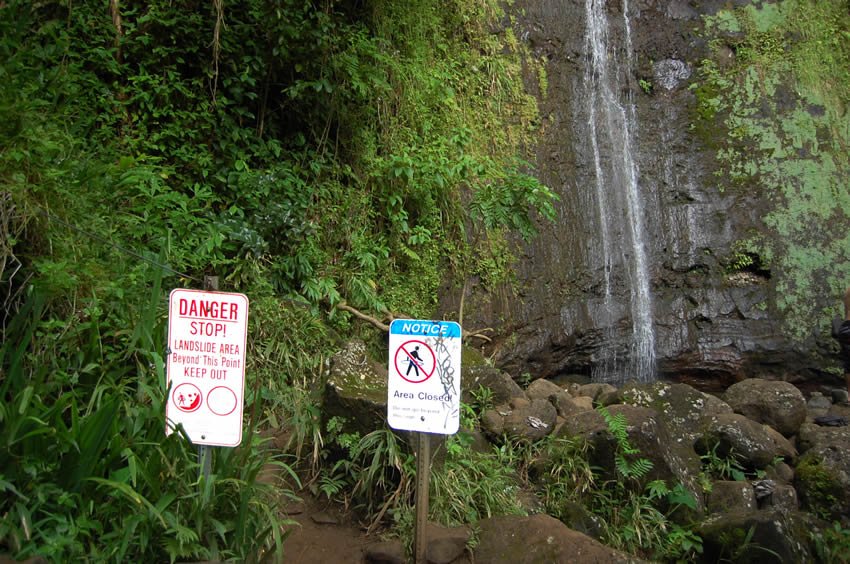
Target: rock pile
[(799, 471)]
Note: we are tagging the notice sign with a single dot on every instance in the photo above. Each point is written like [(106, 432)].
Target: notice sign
[(207, 333), (424, 376)]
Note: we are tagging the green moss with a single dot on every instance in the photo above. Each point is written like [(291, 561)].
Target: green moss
[(471, 357), (780, 111), (819, 490)]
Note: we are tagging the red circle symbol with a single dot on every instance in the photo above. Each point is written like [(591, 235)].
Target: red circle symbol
[(187, 397), (410, 355), (221, 400)]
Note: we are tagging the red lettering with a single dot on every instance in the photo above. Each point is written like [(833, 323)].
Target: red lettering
[(209, 309)]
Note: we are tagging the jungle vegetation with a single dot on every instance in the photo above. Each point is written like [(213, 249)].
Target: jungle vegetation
[(316, 155), (309, 153)]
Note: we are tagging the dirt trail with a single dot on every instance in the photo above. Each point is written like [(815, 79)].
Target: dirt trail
[(324, 536)]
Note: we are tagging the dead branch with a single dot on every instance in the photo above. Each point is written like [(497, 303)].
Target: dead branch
[(115, 12), (356, 313), (476, 334)]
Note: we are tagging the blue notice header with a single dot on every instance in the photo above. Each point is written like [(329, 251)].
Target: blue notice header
[(425, 328)]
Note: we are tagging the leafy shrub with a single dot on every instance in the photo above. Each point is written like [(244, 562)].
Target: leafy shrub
[(374, 473), (832, 545), (87, 470), (471, 485)]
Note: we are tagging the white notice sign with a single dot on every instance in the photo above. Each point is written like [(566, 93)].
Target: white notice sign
[(424, 376), (207, 333)]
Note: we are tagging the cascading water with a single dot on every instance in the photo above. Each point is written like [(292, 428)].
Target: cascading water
[(612, 128)]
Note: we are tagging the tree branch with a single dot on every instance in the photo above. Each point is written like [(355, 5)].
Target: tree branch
[(477, 334)]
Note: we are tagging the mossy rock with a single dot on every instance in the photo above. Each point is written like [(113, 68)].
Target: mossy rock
[(356, 390), (819, 487)]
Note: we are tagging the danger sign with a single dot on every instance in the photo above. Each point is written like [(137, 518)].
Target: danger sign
[(207, 333), (424, 376)]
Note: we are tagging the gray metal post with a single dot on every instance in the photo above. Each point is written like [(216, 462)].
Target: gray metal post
[(205, 453), (423, 477)]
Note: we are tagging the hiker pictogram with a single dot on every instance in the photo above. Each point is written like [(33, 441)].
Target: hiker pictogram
[(415, 361), (187, 397)]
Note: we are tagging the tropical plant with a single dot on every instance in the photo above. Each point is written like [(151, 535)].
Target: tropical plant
[(470, 485), (832, 544), (722, 467), (374, 473), (633, 518), (88, 469), (629, 465)]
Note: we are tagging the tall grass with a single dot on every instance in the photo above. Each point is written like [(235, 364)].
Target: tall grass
[(86, 471)]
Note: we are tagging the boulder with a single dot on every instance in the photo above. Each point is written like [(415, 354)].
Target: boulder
[(784, 497), (567, 406), (818, 405), (577, 517), (682, 407), (730, 495), (750, 443), (823, 470), (445, 544), (500, 383), (593, 391), (764, 536), (356, 389), (672, 461), (590, 426), (540, 539), (544, 389), (778, 404), (385, 552), (531, 421), (780, 472), (493, 422)]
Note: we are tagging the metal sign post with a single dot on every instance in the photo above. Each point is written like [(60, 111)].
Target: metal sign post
[(207, 338), (423, 395), (205, 452), (423, 477)]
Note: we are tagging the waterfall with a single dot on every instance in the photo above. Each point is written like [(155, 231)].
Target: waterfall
[(612, 128)]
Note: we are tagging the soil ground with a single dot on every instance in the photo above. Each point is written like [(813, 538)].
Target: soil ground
[(324, 535)]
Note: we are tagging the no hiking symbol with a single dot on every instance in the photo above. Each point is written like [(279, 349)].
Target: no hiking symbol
[(424, 376)]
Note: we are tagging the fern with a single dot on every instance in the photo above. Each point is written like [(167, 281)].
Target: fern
[(618, 427), (636, 469)]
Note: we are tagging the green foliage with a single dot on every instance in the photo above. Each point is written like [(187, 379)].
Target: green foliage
[(819, 489), (374, 473), (832, 545), (632, 519), (564, 473), (307, 154), (738, 546), (636, 468), (335, 153), (722, 467), (471, 485), (482, 399), (286, 353), (89, 472)]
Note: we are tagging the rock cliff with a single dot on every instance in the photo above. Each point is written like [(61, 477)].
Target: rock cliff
[(742, 198)]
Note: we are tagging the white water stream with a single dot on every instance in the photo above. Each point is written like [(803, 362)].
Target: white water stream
[(612, 125)]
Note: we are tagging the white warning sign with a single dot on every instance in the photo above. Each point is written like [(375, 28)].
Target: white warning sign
[(207, 334), (424, 376)]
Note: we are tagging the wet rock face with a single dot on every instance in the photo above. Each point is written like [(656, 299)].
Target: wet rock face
[(709, 325)]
